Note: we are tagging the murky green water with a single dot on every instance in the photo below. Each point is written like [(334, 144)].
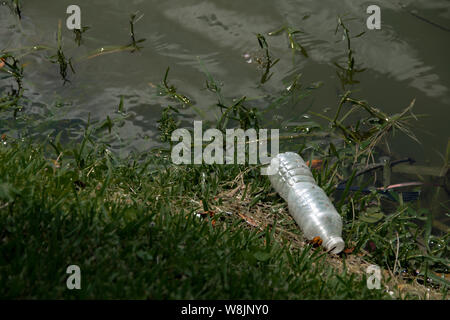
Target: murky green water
[(406, 59)]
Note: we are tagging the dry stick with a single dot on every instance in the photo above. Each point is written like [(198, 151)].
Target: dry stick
[(396, 254), (4, 205), (341, 103), (353, 213), (379, 165), (373, 111)]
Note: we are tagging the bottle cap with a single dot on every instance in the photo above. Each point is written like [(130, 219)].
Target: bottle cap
[(335, 245)]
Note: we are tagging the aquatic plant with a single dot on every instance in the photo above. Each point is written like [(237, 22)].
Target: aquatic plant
[(60, 58), (134, 18), (12, 67), (15, 7), (346, 74), (79, 34), (167, 123), (293, 43), (167, 89), (269, 62)]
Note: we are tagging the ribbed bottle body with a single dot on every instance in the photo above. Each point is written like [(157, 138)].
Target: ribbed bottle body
[(307, 202)]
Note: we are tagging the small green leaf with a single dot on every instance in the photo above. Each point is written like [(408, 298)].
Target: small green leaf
[(120, 110), (372, 215), (262, 256)]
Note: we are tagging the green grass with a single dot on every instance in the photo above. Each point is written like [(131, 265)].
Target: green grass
[(129, 229)]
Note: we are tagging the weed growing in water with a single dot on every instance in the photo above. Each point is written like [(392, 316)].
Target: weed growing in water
[(134, 18), (60, 58), (167, 124), (14, 69), (346, 74), (79, 34), (367, 132), (293, 43), (268, 63), (15, 7), (170, 90), (246, 117)]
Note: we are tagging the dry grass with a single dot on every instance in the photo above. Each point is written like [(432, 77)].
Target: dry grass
[(263, 215)]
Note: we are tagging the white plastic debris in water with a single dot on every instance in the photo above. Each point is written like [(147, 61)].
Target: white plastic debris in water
[(308, 203)]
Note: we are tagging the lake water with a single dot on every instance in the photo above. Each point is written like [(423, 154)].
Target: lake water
[(407, 59)]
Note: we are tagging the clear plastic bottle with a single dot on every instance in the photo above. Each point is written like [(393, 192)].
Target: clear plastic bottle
[(307, 202)]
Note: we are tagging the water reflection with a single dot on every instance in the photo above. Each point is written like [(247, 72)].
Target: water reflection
[(407, 58)]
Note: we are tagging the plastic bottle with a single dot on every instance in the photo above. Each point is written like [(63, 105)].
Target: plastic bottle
[(307, 202)]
